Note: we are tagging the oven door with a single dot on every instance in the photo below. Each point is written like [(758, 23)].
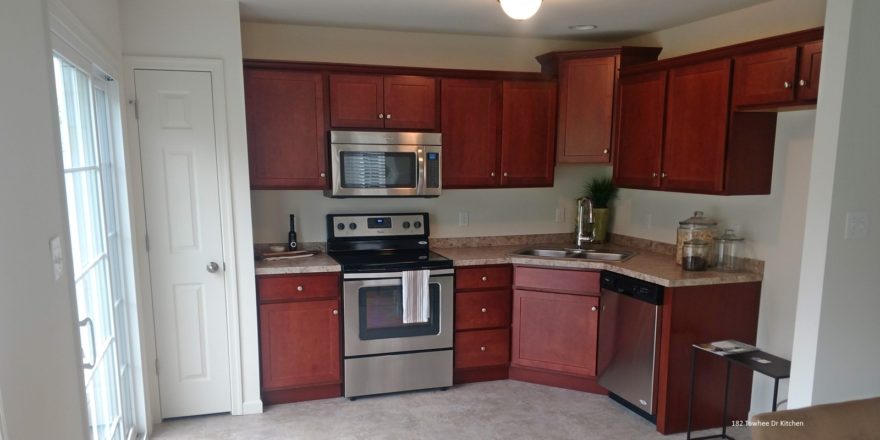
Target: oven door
[(385, 170), (373, 321)]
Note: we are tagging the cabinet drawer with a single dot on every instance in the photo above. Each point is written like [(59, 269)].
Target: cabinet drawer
[(296, 287), (574, 281), (483, 277), (482, 309), (482, 348)]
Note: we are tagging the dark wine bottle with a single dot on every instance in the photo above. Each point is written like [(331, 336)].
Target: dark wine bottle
[(291, 236)]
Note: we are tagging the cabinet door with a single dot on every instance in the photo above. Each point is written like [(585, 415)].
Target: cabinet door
[(808, 71), (411, 102), (528, 130), (697, 106), (285, 128), (765, 77), (555, 331), (586, 103), (470, 116), (299, 344), (356, 101), (642, 100)]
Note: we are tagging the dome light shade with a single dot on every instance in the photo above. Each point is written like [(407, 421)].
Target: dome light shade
[(520, 9)]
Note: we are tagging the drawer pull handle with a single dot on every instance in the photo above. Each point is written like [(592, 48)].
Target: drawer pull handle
[(484, 278), (299, 288), (483, 310), (335, 312), (593, 308), (483, 348)]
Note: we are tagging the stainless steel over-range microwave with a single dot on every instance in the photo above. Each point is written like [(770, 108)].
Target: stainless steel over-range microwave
[(384, 164)]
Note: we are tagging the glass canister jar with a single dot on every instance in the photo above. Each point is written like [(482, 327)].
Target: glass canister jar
[(728, 252), (695, 255), (697, 227)]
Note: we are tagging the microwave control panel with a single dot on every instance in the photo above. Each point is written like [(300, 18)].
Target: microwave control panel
[(384, 225)]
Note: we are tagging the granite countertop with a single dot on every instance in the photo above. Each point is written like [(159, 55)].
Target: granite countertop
[(645, 265), (320, 262)]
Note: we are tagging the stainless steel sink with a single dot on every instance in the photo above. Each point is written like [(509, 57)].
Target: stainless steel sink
[(590, 254)]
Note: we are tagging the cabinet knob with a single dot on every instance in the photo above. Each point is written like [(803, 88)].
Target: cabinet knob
[(654, 174), (492, 174), (299, 288), (484, 278), (336, 312), (323, 174), (381, 116), (593, 308), (662, 175), (482, 348), (802, 83), (505, 174), (388, 116), (786, 85), (483, 310), (605, 151)]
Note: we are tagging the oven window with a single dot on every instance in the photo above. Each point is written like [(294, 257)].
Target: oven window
[(370, 169), (381, 313)]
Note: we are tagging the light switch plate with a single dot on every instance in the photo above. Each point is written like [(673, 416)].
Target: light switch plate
[(856, 225), (57, 257)]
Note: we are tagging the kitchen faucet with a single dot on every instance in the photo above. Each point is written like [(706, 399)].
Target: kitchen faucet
[(585, 236)]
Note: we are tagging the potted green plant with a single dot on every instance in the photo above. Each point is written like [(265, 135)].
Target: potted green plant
[(601, 191)]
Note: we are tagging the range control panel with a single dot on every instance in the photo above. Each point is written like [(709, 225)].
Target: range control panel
[(376, 225)]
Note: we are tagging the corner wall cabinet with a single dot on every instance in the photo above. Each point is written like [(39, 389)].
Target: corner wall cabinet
[(588, 82)]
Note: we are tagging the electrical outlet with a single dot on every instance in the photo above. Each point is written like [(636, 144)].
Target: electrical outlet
[(463, 218), (57, 257), (856, 225), (560, 215)]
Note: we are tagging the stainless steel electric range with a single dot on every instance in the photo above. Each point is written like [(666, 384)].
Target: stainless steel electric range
[(397, 303)]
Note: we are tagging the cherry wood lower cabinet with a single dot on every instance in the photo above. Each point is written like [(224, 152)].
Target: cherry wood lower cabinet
[(299, 337), (482, 323), (555, 327)]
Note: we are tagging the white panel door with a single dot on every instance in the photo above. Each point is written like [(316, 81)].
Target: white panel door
[(179, 161)]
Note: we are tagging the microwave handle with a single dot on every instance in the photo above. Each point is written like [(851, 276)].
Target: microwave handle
[(421, 158)]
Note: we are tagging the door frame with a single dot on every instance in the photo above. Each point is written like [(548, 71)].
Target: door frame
[(227, 226)]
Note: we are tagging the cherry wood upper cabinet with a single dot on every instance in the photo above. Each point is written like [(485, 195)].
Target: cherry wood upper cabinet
[(785, 76), (528, 131), (374, 101), (642, 104), (696, 127), (586, 109), (285, 128), (357, 101), (470, 120), (410, 102), (808, 71)]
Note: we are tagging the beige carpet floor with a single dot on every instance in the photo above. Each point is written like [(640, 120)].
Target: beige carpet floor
[(482, 411)]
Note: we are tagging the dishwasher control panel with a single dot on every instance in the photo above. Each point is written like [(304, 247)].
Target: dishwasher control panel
[(629, 286)]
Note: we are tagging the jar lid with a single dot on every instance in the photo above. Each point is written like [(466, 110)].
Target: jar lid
[(729, 235), (698, 220), (696, 243)]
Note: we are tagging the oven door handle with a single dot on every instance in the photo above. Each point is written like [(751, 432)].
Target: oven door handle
[(384, 275)]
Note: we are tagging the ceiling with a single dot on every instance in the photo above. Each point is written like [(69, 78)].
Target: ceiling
[(617, 19)]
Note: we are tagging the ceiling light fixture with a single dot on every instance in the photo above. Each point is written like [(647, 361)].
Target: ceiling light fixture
[(583, 27), (520, 9)]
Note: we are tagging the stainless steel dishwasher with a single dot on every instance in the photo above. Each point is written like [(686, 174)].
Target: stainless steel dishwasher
[(629, 325)]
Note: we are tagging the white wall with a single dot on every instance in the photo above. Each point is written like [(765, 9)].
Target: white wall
[(836, 351), (210, 29), (40, 373), (773, 225), (491, 212)]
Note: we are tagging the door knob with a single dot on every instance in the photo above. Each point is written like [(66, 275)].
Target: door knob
[(213, 267)]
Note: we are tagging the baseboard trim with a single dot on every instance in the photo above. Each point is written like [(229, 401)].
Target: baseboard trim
[(252, 407)]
